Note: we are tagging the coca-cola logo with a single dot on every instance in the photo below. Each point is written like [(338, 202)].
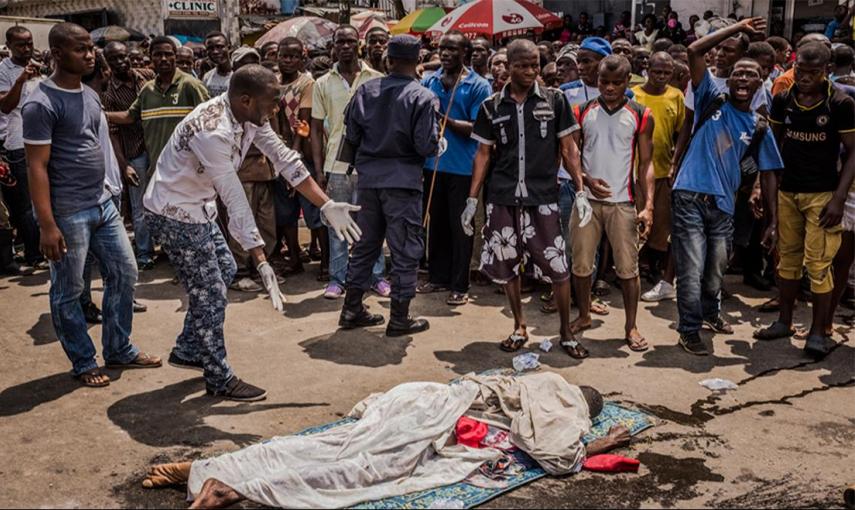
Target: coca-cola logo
[(446, 22), (512, 19)]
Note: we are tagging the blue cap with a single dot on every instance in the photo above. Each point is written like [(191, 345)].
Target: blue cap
[(404, 47), (598, 45)]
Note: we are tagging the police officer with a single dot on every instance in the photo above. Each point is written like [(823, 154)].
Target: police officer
[(390, 126)]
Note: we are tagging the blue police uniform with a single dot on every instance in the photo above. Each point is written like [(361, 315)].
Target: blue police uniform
[(391, 122)]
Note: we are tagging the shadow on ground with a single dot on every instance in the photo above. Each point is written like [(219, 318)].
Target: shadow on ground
[(175, 416), (361, 347)]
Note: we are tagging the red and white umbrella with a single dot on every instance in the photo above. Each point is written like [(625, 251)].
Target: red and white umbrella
[(495, 18)]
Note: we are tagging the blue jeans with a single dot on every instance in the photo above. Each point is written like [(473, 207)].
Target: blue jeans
[(142, 237), (205, 267), (342, 188), (100, 230), (91, 262), (701, 237)]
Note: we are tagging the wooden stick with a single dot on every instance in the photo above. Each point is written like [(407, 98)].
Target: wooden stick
[(441, 134)]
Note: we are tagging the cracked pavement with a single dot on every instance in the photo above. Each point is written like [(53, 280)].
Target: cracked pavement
[(784, 438)]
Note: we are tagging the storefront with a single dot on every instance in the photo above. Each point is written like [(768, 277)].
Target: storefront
[(191, 18)]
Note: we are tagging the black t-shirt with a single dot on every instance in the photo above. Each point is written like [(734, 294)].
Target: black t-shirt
[(811, 143), (526, 138)]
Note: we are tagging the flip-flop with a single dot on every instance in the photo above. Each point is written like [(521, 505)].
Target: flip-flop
[(430, 288), (95, 372), (514, 342), (775, 331), (634, 345), (142, 360), (574, 349), (599, 308)]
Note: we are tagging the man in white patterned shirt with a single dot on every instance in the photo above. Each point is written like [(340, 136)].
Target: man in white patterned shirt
[(199, 164)]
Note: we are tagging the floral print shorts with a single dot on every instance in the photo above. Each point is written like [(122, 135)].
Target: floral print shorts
[(513, 235)]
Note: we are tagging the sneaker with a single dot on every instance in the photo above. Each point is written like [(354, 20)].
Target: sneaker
[(238, 390), (92, 314), (718, 325), (145, 264), (692, 343), (661, 291), (601, 288), (333, 291), (177, 362), (382, 288), (246, 285)]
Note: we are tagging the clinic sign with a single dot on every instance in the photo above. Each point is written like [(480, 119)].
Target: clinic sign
[(198, 9)]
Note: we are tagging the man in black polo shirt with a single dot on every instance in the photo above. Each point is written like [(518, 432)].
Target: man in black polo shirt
[(810, 120), (525, 128)]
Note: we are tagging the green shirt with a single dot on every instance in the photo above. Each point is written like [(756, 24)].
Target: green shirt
[(160, 112)]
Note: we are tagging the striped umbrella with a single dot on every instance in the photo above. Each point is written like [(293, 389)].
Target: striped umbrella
[(495, 18), (315, 32), (418, 21)]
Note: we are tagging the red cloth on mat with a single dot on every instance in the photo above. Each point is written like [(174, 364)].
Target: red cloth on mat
[(470, 432), (608, 463)]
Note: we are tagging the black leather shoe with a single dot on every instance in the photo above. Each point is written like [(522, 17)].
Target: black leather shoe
[(400, 322), (354, 314), (139, 307)]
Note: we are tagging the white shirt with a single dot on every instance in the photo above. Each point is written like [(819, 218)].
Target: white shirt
[(721, 84), (200, 162), (9, 73)]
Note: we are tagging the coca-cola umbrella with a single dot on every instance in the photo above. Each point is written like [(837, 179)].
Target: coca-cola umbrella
[(493, 18), (316, 33)]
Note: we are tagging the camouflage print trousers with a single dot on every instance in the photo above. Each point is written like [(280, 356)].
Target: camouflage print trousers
[(205, 267)]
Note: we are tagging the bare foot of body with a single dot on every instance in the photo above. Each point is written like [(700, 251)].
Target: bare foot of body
[(216, 494), (163, 475)]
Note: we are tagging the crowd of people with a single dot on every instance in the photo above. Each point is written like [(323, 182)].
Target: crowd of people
[(554, 166)]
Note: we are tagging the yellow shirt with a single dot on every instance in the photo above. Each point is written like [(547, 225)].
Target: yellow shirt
[(669, 112), (330, 96)]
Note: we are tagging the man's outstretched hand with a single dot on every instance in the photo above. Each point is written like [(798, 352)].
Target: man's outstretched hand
[(271, 285), (337, 216)]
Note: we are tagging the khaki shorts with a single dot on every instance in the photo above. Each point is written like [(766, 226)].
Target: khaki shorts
[(802, 242), (619, 222), (660, 233)]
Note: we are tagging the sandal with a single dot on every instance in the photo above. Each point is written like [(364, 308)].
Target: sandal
[(457, 299), (142, 360), (87, 378), (546, 297), (514, 342), (775, 331), (574, 349), (430, 288), (639, 345), (599, 308)]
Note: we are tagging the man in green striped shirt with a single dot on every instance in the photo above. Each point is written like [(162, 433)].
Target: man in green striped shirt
[(163, 102)]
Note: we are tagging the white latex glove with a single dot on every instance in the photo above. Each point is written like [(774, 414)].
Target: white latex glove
[(583, 207), (468, 215), (336, 215), (442, 147), (268, 279)]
